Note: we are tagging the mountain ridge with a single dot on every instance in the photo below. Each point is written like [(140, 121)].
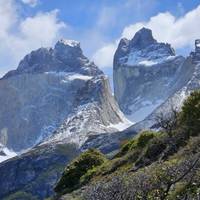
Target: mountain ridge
[(143, 73)]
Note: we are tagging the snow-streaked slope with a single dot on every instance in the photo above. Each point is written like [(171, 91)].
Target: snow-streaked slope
[(187, 80), (52, 87), (147, 107), (6, 153), (98, 115), (84, 122)]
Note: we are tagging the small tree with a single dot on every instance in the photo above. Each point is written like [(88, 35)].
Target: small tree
[(167, 121), (190, 115)]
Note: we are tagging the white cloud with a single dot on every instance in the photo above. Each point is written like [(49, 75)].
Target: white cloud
[(179, 32), (19, 36), (31, 3), (43, 27), (104, 56), (8, 16)]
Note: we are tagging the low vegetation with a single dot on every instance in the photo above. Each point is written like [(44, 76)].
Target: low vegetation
[(153, 165), (75, 173)]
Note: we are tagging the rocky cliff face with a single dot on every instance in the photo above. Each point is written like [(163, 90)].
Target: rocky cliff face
[(185, 81), (144, 74), (49, 88)]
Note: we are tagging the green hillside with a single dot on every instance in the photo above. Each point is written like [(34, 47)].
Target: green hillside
[(153, 165)]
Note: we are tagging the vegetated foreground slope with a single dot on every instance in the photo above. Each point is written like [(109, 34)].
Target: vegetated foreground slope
[(161, 165)]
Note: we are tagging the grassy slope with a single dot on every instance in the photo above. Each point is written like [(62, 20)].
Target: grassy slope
[(141, 164), (151, 165)]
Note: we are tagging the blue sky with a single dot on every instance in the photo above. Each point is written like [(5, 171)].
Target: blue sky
[(97, 24), (83, 15)]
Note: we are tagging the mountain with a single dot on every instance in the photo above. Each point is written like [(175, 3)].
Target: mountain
[(187, 81), (144, 74), (177, 88), (55, 100), (52, 86)]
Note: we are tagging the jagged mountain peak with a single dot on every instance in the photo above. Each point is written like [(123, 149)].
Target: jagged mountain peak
[(123, 42), (143, 38), (68, 48), (71, 43), (65, 56), (49, 86), (143, 49)]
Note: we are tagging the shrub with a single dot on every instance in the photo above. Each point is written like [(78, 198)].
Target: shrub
[(190, 115), (144, 138), (71, 178), (139, 141), (161, 180), (152, 151)]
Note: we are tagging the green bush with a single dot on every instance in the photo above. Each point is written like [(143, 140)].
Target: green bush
[(145, 137), (152, 151), (71, 178), (190, 115), (139, 141)]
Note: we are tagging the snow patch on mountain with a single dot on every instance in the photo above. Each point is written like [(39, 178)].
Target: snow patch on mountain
[(70, 76), (6, 153), (79, 76), (147, 62), (84, 122), (121, 125), (71, 43), (147, 57), (147, 107)]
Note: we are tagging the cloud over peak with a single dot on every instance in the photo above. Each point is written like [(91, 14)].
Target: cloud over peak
[(179, 32), (19, 36)]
